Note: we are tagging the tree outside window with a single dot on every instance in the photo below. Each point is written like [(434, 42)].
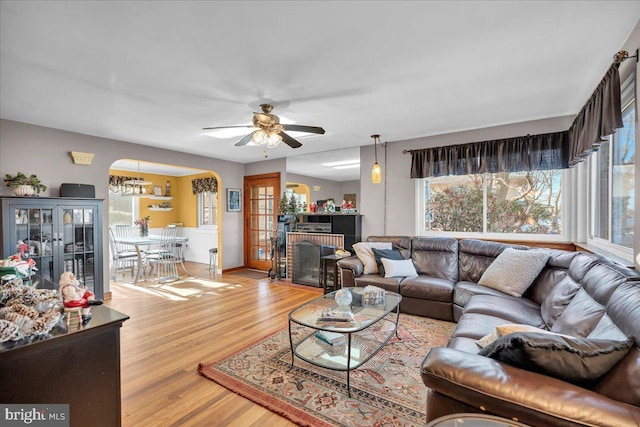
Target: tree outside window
[(507, 202)]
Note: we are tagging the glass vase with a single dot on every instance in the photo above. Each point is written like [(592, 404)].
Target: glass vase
[(144, 230)]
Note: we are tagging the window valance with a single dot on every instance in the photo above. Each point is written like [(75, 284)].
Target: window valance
[(201, 185), (599, 118), (522, 153)]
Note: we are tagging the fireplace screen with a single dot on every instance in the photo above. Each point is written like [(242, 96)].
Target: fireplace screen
[(306, 262)]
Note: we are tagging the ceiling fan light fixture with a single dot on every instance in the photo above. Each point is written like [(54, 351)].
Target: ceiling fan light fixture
[(259, 137), (273, 139)]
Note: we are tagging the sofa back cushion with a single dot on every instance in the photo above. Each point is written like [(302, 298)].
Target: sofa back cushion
[(559, 282), (622, 316), (553, 273), (436, 257), (399, 243), (474, 256), (606, 307)]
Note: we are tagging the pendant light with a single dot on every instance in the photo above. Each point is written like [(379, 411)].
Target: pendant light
[(376, 170), (136, 187)]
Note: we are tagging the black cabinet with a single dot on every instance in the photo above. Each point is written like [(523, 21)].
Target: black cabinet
[(350, 225), (61, 234)]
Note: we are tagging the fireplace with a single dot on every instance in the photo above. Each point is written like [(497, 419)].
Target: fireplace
[(306, 264)]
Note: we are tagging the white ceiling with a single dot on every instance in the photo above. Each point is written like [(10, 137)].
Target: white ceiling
[(157, 72)]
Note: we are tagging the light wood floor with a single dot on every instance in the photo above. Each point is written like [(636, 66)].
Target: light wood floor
[(172, 328)]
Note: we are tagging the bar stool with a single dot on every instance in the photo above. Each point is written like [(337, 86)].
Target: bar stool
[(213, 259)]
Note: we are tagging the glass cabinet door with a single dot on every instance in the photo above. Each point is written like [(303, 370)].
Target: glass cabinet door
[(34, 228), (78, 243)]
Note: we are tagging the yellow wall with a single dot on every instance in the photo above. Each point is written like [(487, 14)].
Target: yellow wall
[(159, 219), (184, 202)]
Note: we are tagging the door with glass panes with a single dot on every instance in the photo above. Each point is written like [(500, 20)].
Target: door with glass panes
[(260, 219)]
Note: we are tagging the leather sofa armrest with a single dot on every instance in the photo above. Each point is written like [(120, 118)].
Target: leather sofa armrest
[(351, 268), (510, 392)]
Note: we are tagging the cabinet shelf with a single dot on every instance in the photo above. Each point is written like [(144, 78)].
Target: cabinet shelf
[(160, 197), (160, 209)]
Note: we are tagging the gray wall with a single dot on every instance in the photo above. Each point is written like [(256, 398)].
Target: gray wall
[(45, 152), (389, 207), (327, 189)]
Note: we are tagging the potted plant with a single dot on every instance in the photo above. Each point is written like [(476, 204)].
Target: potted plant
[(24, 185)]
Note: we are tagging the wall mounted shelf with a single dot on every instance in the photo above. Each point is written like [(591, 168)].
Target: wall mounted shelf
[(160, 197), (160, 209)]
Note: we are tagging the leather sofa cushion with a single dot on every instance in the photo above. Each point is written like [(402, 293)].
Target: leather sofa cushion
[(477, 325), (556, 269), (623, 381), (465, 344), (436, 257), (428, 288), (463, 292), (390, 284), (558, 299), (580, 317), (511, 309), (576, 360)]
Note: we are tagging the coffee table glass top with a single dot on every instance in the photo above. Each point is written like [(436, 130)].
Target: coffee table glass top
[(364, 315), (355, 342)]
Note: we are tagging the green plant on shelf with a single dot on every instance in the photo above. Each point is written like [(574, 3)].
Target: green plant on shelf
[(14, 181)]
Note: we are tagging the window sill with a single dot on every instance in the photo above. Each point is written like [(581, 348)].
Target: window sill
[(599, 251)]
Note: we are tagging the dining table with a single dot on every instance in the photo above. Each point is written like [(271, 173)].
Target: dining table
[(139, 242)]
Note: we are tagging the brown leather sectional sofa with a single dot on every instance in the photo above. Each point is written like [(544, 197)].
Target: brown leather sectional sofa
[(577, 294)]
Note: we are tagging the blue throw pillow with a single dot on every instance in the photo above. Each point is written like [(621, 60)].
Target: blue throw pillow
[(385, 253)]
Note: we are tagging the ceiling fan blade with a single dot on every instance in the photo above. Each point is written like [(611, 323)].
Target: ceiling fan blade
[(228, 127), (245, 140), (291, 142), (300, 128)]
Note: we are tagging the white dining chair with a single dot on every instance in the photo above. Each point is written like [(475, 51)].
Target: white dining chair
[(121, 260), (164, 260)]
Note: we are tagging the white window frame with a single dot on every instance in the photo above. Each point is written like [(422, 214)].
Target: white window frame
[(562, 237), (628, 99), (213, 214)]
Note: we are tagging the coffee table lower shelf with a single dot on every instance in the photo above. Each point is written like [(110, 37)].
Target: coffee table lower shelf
[(362, 341)]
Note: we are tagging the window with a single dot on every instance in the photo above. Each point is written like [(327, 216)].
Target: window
[(207, 209), (513, 203), (122, 209), (612, 170)]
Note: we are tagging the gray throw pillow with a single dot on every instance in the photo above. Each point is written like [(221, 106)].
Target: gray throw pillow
[(514, 270), (576, 360), (385, 253)]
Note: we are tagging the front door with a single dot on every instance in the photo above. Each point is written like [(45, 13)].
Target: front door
[(261, 198)]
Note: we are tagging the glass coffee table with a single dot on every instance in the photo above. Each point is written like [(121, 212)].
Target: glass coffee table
[(343, 345)]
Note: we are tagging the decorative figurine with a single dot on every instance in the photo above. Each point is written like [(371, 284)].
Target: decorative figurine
[(75, 296)]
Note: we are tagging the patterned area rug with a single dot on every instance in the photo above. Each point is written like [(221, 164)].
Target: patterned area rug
[(385, 391)]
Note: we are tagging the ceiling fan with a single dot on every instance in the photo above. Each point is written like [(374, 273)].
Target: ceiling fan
[(270, 132)]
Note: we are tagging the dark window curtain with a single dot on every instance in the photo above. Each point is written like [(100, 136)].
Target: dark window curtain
[(201, 185), (599, 118), (522, 153)]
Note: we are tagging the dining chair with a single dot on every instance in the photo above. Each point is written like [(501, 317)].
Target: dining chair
[(122, 230), (164, 260), (120, 260)]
